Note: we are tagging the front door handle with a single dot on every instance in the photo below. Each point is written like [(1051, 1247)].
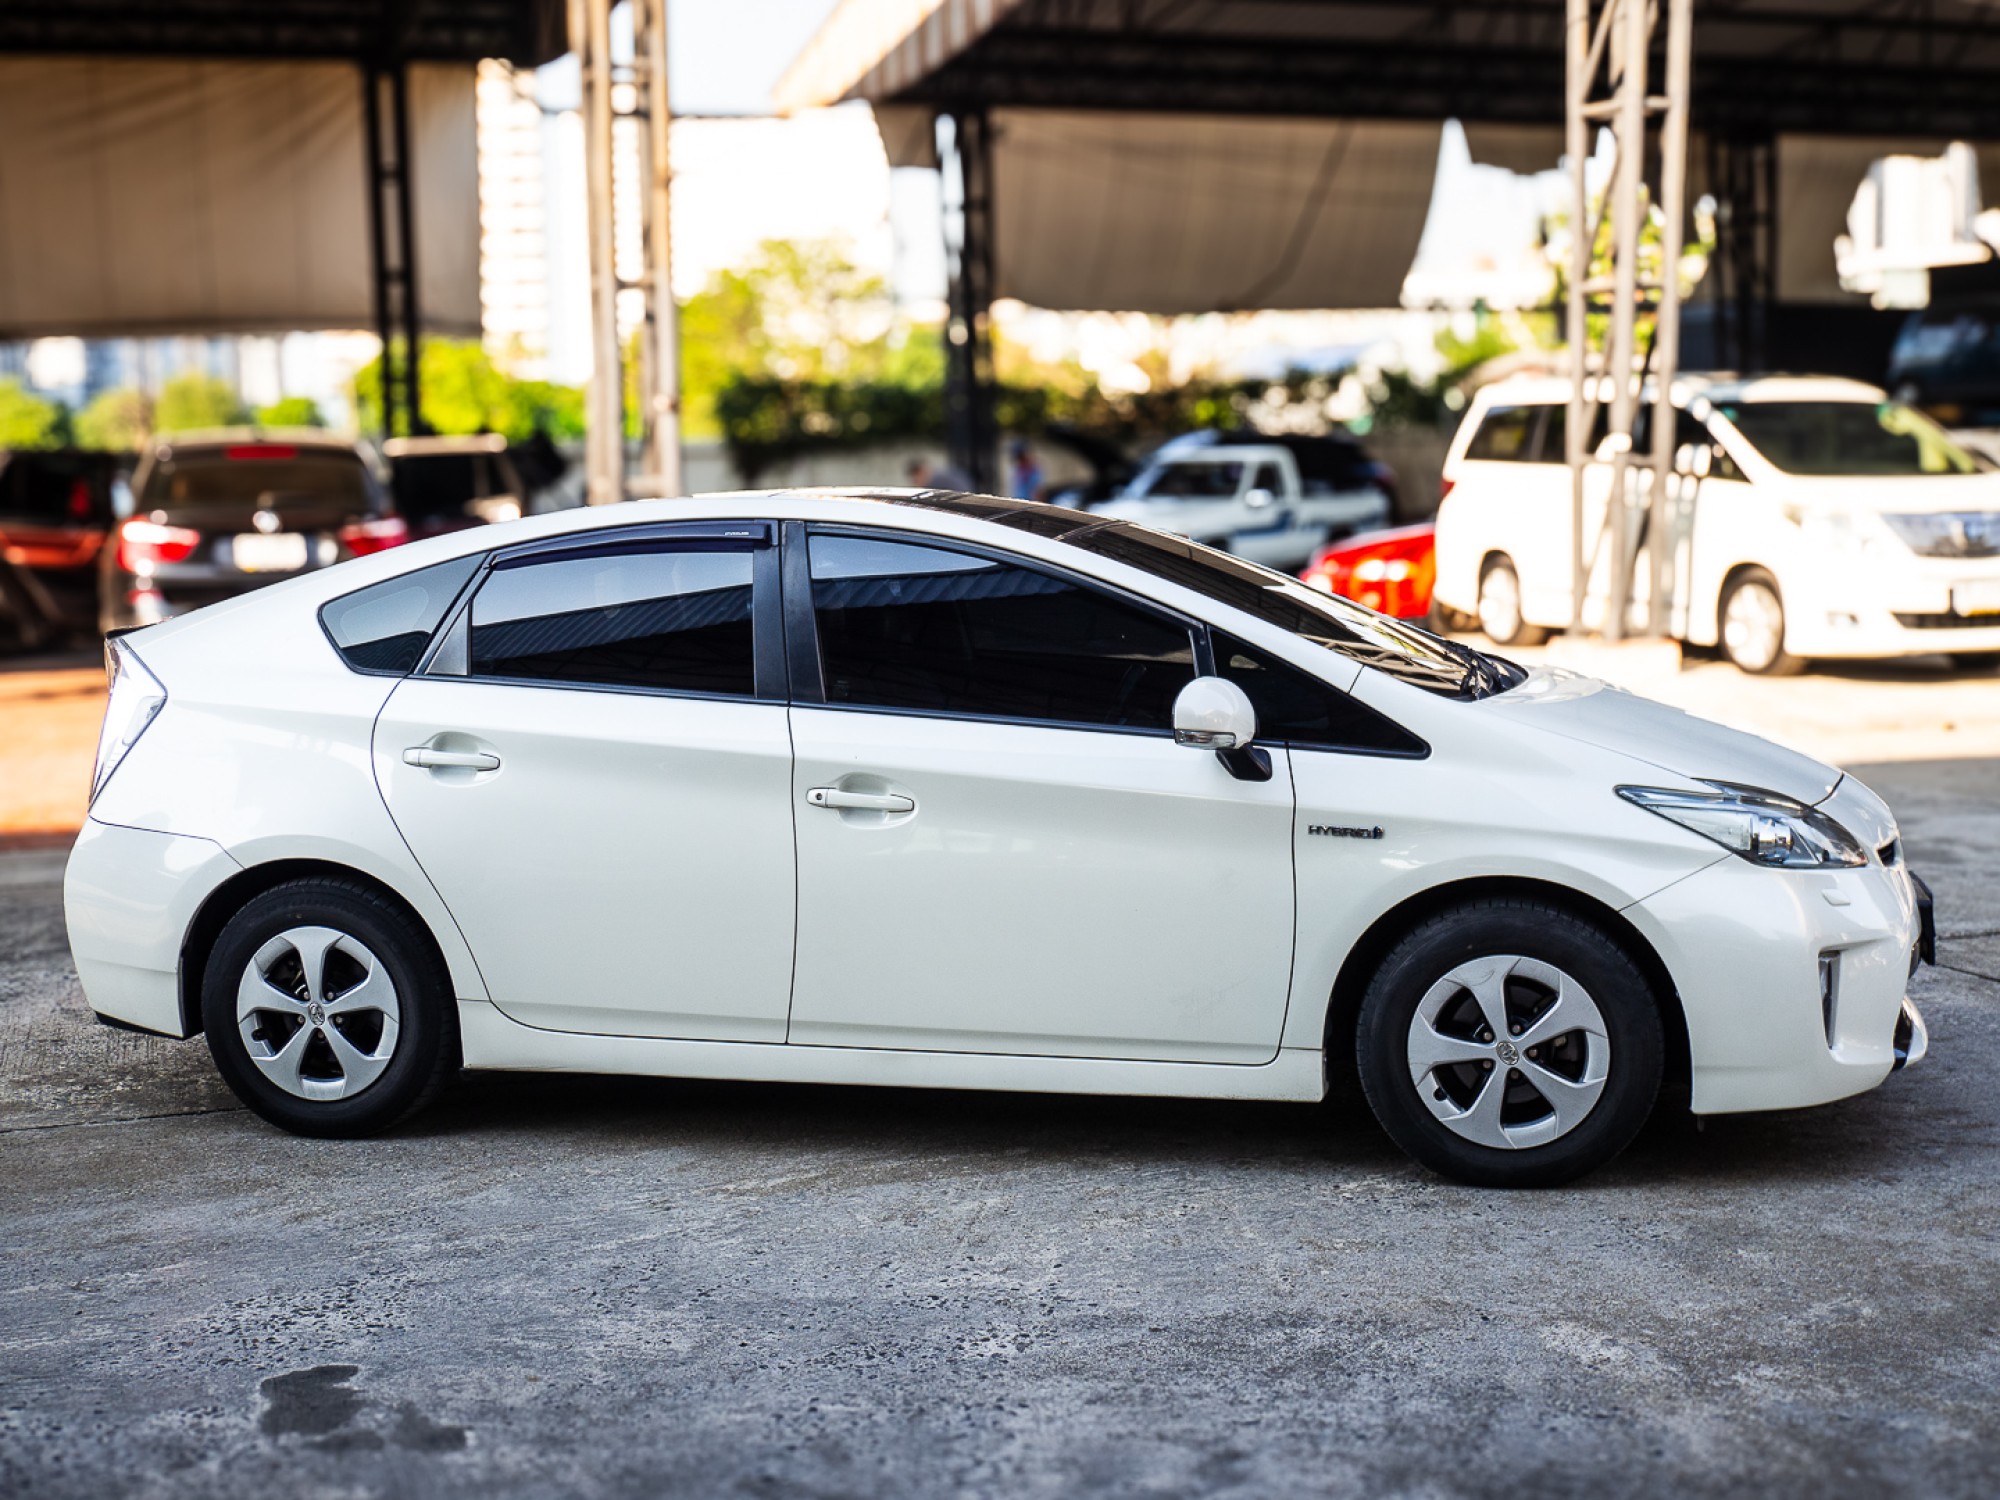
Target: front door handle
[(437, 760), (833, 796)]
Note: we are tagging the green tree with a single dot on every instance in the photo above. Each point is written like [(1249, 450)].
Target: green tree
[(28, 420), (192, 400), (116, 421), (291, 411), (463, 391)]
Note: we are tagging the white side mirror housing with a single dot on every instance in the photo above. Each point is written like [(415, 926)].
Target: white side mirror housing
[(1213, 713), (1260, 499)]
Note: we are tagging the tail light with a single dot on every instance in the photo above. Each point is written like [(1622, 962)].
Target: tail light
[(364, 537), (144, 545), (134, 701)]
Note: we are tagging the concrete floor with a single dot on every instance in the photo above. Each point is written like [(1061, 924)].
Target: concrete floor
[(613, 1288)]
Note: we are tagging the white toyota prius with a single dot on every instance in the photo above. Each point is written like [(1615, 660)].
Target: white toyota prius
[(914, 788)]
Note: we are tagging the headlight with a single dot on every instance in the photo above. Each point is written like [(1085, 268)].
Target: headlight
[(135, 699), (1759, 826), (1967, 534)]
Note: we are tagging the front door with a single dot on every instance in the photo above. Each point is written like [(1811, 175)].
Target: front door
[(1001, 848), (601, 793)]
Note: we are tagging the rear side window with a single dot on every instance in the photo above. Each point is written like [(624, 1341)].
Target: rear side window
[(1296, 708), (386, 626), (921, 628), (675, 619), (1506, 435)]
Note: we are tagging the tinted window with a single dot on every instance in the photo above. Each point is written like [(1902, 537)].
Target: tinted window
[(385, 627), (56, 489), (1195, 481), (1507, 434), (914, 627), (1847, 437), (1296, 708), (1403, 651), (1555, 429), (675, 618), (1268, 478), (244, 473), (431, 485)]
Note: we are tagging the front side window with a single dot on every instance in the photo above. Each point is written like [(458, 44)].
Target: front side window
[(1507, 435), (1195, 481), (1340, 625), (907, 626), (673, 618), (1295, 708), (1829, 438)]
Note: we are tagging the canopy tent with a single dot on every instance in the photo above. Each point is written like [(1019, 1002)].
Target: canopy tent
[(199, 196), (238, 165)]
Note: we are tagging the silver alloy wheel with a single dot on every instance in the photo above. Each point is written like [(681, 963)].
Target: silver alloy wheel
[(318, 1013), (1500, 605), (1509, 1051), (1753, 626)]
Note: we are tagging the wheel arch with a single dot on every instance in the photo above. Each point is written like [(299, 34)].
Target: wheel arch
[(1369, 951), (230, 897)]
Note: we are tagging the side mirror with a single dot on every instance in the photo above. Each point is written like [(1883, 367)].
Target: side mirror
[(1213, 713), (1260, 499)]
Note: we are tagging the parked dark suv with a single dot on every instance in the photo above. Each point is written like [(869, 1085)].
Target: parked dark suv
[(55, 513), (218, 513)]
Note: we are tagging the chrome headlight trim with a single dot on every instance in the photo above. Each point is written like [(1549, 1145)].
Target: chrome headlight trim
[(1763, 827)]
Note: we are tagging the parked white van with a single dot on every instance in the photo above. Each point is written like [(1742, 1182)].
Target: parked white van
[(1810, 516)]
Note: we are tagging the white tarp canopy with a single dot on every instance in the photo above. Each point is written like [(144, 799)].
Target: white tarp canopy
[(141, 196), (1172, 213)]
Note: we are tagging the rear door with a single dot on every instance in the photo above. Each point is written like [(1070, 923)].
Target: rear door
[(595, 772)]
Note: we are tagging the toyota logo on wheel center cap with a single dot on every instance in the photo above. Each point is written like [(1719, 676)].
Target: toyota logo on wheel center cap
[(316, 1013), (1508, 1053)]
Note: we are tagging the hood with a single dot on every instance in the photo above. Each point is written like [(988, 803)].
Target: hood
[(1912, 494), (1582, 708)]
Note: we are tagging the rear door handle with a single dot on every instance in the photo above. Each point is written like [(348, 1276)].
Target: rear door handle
[(833, 796), (436, 760)]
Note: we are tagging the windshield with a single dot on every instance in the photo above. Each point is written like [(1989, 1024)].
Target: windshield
[(1192, 481), (1359, 634), (240, 476), (1830, 438)]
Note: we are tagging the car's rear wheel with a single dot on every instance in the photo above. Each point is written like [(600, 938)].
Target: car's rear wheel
[(1500, 617), (328, 1010), (1509, 1043), (1753, 626)]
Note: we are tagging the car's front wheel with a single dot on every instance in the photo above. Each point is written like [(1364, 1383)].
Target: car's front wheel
[(1753, 626), (1509, 1043), (327, 1009)]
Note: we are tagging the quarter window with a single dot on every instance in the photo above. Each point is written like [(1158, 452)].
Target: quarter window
[(385, 627), (922, 628), (674, 618), (1507, 435)]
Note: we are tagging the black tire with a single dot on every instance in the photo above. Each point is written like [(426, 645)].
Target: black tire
[(1544, 934), (1780, 664), (1504, 631), (1975, 661), (422, 1052)]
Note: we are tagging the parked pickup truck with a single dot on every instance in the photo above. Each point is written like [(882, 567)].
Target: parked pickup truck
[(1270, 500)]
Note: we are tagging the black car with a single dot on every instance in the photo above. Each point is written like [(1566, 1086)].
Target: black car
[(55, 513), (218, 513)]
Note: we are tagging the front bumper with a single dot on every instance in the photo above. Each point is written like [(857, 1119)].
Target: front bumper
[(1793, 983), (1888, 606)]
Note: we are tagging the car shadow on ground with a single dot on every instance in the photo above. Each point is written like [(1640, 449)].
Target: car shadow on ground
[(957, 1131)]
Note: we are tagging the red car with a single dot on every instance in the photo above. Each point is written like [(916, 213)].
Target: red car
[(1390, 571)]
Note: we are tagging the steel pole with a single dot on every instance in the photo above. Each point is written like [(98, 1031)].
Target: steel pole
[(604, 419), (1576, 431), (1667, 333), (662, 403), (1634, 34)]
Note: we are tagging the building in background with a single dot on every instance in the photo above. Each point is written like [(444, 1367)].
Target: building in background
[(514, 263)]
